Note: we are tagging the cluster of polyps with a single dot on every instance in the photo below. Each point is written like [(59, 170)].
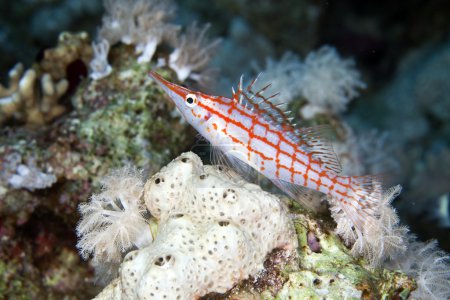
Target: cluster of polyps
[(215, 229)]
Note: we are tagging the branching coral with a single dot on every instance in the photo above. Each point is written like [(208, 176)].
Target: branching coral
[(31, 99), (70, 48), (113, 221), (193, 51)]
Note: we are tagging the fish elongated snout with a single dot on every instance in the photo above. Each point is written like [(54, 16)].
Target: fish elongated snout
[(176, 92)]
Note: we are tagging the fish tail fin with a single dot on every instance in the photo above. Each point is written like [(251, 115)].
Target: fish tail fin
[(366, 220), (361, 202)]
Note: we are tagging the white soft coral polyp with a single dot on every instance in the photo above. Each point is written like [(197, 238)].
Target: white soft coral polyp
[(112, 221), (99, 66), (328, 82)]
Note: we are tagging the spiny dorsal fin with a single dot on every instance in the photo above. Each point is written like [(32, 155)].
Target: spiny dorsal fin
[(311, 139), (315, 140), (257, 102)]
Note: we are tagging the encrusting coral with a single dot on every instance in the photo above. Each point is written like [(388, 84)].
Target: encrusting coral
[(214, 230)]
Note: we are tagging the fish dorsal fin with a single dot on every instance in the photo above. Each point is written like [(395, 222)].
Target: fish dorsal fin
[(256, 101), (311, 139), (316, 140)]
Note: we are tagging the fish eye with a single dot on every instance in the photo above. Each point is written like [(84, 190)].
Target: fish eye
[(191, 100)]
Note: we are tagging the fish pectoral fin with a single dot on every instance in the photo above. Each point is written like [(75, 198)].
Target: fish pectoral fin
[(311, 199), (228, 158)]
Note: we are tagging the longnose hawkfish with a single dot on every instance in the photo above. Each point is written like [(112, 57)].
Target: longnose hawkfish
[(250, 130)]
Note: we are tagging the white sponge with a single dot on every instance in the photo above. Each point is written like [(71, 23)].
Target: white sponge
[(215, 230)]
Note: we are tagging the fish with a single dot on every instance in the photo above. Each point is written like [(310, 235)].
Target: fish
[(250, 132)]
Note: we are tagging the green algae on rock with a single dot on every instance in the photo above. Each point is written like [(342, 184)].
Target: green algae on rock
[(323, 269), (322, 266), (123, 119)]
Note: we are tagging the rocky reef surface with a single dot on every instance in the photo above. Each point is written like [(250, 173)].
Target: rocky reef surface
[(51, 167), (218, 233), (86, 106), (48, 169)]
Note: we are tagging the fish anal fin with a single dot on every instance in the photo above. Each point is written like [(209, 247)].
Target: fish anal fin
[(310, 199)]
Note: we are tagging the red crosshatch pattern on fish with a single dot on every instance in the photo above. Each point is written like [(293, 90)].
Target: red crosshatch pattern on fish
[(248, 129)]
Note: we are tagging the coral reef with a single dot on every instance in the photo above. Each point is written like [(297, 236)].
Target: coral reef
[(33, 96), (281, 75), (215, 229), (108, 122), (412, 108), (41, 24), (113, 221), (369, 152), (99, 66), (71, 47), (381, 238), (145, 24), (31, 178), (77, 129)]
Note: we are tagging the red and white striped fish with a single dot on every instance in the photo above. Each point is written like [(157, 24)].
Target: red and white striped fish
[(251, 131)]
